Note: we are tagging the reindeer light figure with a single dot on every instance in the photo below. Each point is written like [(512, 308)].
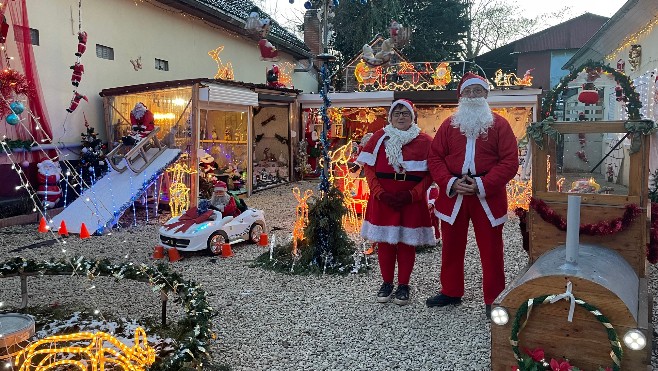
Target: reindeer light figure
[(86, 351), (179, 192), (224, 71), (301, 217)]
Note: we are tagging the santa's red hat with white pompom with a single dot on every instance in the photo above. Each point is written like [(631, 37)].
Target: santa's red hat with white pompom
[(471, 79), (220, 186)]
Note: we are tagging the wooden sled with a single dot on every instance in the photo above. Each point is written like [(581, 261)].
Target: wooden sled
[(139, 156)]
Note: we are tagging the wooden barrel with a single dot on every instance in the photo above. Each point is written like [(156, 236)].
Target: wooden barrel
[(15, 330), (602, 278)]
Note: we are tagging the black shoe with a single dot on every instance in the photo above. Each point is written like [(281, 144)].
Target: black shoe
[(385, 291), (401, 295), (442, 300), (487, 310)]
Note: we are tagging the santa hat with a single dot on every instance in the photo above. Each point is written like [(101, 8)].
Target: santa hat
[(471, 79), (220, 186), (407, 103)]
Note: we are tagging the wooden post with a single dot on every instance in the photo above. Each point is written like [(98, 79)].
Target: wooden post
[(163, 299), (23, 291)]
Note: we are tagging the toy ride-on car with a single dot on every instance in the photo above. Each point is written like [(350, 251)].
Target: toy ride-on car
[(209, 230)]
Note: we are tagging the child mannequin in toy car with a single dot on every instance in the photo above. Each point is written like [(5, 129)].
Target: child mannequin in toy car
[(222, 201)]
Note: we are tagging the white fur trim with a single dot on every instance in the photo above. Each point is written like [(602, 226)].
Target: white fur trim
[(450, 219), (366, 158), (414, 165), (474, 81), (449, 187), (469, 157), (481, 192), (404, 103), (394, 234), (487, 210)]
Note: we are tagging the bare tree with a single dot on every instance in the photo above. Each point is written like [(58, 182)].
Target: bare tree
[(495, 23)]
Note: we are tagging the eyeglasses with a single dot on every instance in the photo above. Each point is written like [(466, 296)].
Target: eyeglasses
[(475, 91), (401, 114)]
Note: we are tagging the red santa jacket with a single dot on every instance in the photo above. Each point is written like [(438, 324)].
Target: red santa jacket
[(493, 159), (414, 161), (145, 125)]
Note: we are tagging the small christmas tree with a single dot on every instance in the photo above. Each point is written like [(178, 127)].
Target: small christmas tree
[(92, 157)]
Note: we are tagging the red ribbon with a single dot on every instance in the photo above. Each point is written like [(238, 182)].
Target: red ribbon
[(188, 219)]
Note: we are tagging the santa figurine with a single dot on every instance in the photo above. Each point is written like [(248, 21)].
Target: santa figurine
[(78, 69), (207, 164), (75, 101), (222, 201), (268, 51), (82, 43), (272, 77), (49, 174), (142, 124)]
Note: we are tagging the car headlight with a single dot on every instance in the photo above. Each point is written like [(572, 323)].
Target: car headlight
[(499, 316), (635, 339), (201, 227)]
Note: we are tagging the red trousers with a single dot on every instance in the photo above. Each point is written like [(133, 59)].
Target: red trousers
[(490, 243), (405, 256)]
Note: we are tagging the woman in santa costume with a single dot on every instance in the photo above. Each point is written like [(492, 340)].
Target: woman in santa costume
[(397, 217), (473, 156)]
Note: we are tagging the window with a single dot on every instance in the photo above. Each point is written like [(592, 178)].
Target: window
[(161, 64), (104, 52), (34, 36)]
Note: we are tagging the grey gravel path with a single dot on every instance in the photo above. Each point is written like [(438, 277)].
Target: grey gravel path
[(271, 321)]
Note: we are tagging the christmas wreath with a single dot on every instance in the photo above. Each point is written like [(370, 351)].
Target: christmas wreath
[(535, 359)]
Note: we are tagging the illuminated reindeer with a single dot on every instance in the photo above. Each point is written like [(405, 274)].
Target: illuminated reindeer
[(301, 217), (224, 71)]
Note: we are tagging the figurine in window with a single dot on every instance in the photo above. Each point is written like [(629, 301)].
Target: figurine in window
[(142, 123)]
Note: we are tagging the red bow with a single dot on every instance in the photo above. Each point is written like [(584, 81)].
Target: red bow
[(188, 219)]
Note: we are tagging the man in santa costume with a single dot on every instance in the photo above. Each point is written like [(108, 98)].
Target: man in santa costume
[(222, 201), (397, 217), (473, 156)]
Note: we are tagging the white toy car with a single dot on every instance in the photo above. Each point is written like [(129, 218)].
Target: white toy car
[(214, 232)]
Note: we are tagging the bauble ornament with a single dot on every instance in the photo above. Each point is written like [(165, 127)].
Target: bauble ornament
[(12, 119), (17, 107)]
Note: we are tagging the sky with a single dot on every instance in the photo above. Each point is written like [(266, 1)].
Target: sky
[(285, 13)]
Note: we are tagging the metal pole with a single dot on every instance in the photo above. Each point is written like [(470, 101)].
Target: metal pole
[(609, 152)]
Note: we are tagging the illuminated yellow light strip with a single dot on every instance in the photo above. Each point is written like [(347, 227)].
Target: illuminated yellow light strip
[(95, 355), (634, 38)]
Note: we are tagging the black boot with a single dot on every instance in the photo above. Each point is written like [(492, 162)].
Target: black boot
[(442, 300)]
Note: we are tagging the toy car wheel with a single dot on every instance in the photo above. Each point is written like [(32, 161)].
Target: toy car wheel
[(215, 242), (255, 231)]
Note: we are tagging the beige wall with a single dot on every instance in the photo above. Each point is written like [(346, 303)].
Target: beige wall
[(132, 31)]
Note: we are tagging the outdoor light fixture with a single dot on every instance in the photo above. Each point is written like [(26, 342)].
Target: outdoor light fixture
[(635, 339), (500, 316)]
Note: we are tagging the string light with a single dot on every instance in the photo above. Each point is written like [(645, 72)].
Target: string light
[(102, 349), (632, 39), (224, 70), (301, 217)]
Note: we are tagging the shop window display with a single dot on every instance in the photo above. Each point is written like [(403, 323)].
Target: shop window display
[(271, 147), (224, 136)]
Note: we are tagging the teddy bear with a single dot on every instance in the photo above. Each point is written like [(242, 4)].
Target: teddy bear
[(48, 190), (382, 57)]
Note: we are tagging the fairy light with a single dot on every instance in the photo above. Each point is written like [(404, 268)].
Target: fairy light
[(101, 349), (179, 192), (224, 70), (633, 38), (301, 217)]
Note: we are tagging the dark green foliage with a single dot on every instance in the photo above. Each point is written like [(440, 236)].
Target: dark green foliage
[(92, 157), (437, 27), (326, 247)]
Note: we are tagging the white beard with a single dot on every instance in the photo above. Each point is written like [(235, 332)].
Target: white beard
[(397, 139), (139, 112), (220, 201), (473, 117)]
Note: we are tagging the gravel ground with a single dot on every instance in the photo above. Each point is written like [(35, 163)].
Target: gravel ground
[(272, 321)]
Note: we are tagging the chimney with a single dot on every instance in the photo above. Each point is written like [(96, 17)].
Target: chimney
[(312, 36)]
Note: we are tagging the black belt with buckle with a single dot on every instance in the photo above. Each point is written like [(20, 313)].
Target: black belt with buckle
[(479, 175), (400, 177)]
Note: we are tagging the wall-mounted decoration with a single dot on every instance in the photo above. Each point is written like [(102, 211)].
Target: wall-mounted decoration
[(635, 56), (137, 63), (224, 71)]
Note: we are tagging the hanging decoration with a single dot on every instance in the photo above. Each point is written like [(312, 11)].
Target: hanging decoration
[(281, 139), (272, 77), (268, 120), (602, 228), (12, 84), (635, 57), (17, 144), (224, 70), (85, 349), (535, 359)]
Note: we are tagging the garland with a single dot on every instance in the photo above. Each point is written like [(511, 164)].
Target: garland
[(192, 346), (633, 103), (18, 144), (531, 363), (606, 227)]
